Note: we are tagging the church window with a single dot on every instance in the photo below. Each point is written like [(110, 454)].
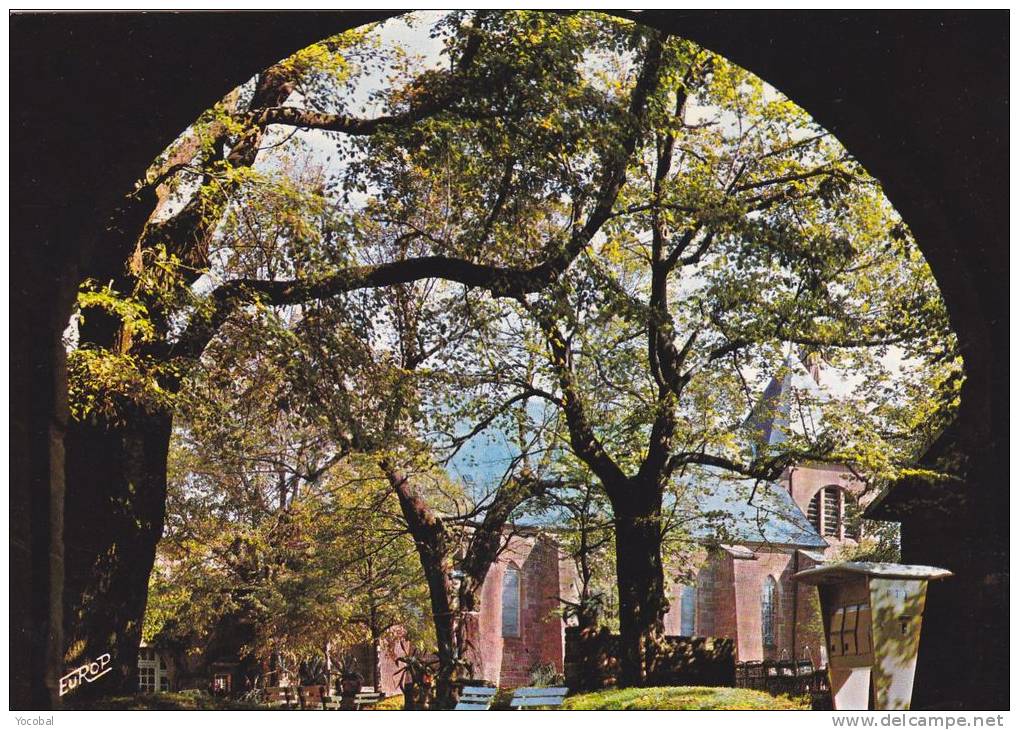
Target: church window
[(687, 610), (830, 505), (768, 597), (511, 602), (814, 511)]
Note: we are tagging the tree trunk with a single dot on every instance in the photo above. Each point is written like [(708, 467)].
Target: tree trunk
[(116, 489), (116, 473), (433, 550), (377, 664), (641, 581), (376, 652)]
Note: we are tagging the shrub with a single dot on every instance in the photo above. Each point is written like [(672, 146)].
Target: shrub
[(546, 675)]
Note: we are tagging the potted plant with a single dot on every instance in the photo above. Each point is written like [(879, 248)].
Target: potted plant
[(416, 678)]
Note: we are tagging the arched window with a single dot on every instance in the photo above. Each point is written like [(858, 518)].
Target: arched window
[(834, 512), (769, 593), (687, 610), (511, 602)]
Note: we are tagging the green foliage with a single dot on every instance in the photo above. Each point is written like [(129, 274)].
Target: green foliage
[(270, 530), (586, 535), (107, 384), (879, 544), (131, 312), (780, 234)]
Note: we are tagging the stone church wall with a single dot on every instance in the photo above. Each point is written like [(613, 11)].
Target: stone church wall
[(730, 584), (508, 660)]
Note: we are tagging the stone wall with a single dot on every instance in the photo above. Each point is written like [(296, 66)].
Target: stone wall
[(729, 589), (592, 661)]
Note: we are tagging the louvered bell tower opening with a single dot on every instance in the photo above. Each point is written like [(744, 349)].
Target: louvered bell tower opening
[(834, 513)]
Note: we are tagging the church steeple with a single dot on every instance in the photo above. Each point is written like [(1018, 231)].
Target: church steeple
[(788, 403)]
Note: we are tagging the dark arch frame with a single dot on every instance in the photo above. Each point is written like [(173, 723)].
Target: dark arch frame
[(919, 97)]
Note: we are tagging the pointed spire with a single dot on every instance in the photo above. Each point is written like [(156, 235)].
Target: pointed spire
[(769, 418), (770, 421)]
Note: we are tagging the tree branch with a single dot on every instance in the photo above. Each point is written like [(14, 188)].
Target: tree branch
[(485, 544), (500, 281), (582, 437), (450, 90)]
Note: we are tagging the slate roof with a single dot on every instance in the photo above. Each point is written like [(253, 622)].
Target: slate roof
[(723, 509), (482, 462), (718, 507)]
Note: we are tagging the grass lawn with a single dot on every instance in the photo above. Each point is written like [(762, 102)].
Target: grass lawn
[(654, 698), (682, 698), (390, 703)]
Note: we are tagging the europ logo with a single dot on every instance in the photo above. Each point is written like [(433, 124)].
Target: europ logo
[(89, 672)]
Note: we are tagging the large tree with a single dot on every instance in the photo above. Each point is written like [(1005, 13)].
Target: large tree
[(279, 545), (132, 358), (367, 364), (743, 228)]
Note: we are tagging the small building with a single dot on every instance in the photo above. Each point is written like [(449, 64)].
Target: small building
[(932, 514), (155, 670)]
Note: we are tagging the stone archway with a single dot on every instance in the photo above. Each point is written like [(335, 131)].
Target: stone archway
[(919, 98)]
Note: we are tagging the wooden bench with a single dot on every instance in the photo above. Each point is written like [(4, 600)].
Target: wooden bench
[(538, 697), (476, 698), (367, 697)]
